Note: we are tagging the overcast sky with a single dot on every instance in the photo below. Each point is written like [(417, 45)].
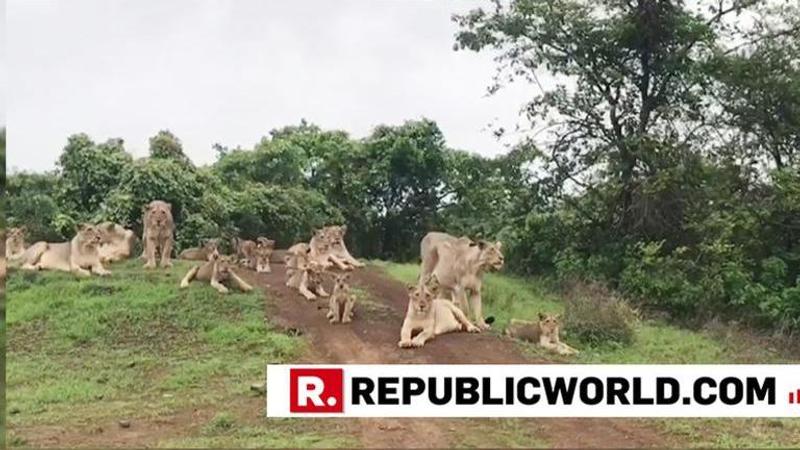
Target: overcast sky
[(230, 71)]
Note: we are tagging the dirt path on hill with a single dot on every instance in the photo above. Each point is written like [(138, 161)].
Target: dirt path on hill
[(372, 338)]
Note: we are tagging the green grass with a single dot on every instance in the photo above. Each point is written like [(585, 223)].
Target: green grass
[(135, 346), (507, 297)]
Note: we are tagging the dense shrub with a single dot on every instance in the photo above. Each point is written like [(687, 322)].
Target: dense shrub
[(596, 315)]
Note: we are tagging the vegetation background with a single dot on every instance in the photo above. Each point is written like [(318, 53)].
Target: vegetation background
[(669, 171)]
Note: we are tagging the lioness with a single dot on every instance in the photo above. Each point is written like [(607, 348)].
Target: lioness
[(263, 254), (544, 333), (459, 265), (305, 275), (318, 250), (430, 315), (338, 249), (216, 271), (340, 306), (118, 244), (15, 243), (73, 256), (207, 247), (158, 233)]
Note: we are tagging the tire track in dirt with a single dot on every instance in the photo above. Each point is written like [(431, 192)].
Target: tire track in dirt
[(372, 338)]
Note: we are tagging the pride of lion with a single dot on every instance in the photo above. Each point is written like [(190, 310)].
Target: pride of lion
[(445, 299)]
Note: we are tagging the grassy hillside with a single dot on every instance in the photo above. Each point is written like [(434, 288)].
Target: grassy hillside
[(134, 347), (507, 297)]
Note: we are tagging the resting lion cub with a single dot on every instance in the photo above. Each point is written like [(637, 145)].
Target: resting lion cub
[(305, 275), (430, 315), (216, 271), (340, 307), (544, 333), (73, 256)]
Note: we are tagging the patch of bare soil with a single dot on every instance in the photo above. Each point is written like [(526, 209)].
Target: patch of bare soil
[(372, 338)]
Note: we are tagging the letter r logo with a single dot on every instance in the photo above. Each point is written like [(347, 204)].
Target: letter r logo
[(316, 390)]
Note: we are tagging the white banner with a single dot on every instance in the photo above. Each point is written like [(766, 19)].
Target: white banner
[(553, 390)]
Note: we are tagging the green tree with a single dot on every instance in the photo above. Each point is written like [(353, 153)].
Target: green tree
[(88, 171), (165, 145)]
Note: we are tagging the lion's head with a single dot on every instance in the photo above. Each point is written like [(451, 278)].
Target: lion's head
[(225, 265), (15, 239), (315, 271), (341, 282), (420, 297), (158, 214), (335, 234), (550, 324), (90, 235), (491, 255), (322, 241)]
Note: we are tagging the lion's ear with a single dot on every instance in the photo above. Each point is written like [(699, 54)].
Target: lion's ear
[(482, 244), (169, 206), (498, 244), (542, 316), (344, 229), (410, 287)]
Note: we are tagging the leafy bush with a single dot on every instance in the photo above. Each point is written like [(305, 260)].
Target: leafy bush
[(596, 315)]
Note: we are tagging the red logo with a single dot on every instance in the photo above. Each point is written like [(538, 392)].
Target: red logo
[(316, 390)]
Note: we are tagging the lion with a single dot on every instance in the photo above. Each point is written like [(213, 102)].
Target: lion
[(216, 271), (543, 333), (304, 274), (15, 243), (430, 315), (318, 250), (254, 255), (118, 244), (459, 265), (340, 306), (158, 233), (74, 256), (262, 254), (206, 249), (339, 250)]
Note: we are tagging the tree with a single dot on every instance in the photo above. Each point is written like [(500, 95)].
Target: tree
[(165, 145), (88, 171), (632, 101)]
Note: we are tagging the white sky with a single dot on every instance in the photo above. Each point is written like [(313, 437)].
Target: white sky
[(229, 71)]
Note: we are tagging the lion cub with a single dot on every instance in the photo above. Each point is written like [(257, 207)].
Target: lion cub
[(73, 256), (305, 274), (216, 271), (340, 307), (430, 315), (544, 333)]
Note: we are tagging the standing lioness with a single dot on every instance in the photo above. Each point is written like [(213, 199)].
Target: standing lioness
[(158, 233), (74, 256)]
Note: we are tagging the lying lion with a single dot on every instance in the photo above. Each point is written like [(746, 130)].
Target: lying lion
[(74, 256), (304, 273), (338, 249), (118, 244), (256, 254), (543, 333), (15, 243), (216, 271), (430, 316), (202, 253)]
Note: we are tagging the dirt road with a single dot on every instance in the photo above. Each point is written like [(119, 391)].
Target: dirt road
[(372, 338)]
